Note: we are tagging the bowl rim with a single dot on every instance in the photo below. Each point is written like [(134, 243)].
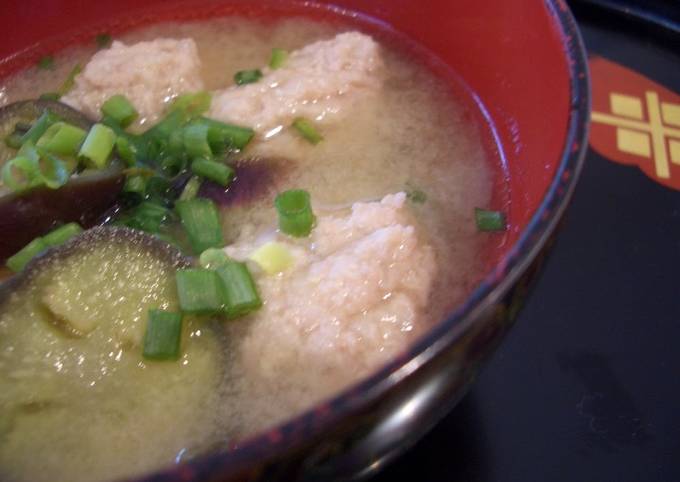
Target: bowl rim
[(265, 446)]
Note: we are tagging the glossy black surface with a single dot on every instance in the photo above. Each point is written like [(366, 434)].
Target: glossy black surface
[(587, 385)]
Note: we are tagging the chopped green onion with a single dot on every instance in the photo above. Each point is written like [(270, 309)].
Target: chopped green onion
[(147, 216), (158, 188), (201, 222), (175, 145), (196, 141), (46, 62), (20, 173), (13, 141), (163, 335), (173, 165), (171, 240), (60, 235), (199, 290), (193, 104), (17, 262), (416, 196), (170, 123), (307, 130), (103, 40), (243, 77), (212, 258), (273, 257), (223, 136), (239, 289), (50, 96), (155, 147), (126, 150), (133, 148), (135, 184), (278, 58), (62, 139), (295, 212), (29, 150), (39, 127), (54, 172), (490, 220), (215, 171), (119, 108), (98, 146), (70, 80), (191, 188)]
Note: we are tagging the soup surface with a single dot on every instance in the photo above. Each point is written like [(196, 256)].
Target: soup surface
[(408, 152)]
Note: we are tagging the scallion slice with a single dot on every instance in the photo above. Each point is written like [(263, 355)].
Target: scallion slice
[(243, 77), (62, 139), (196, 141), (169, 124), (46, 63), (54, 172), (415, 195), (295, 212), (70, 80), (239, 289), (214, 171), (62, 234), (97, 147), (39, 127), (193, 104), (200, 291), (163, 335), (307, 130), (17, 262), (147, 216), (191, 189), (136, 184), (126, 150), (20, 173), (158, 189), (50, 96), (29, 150), (223, 136), (490, 220), (175, 145), (278, 58), (201, 221), (273, 257), (213, 258), (119, 108), (103, 40)]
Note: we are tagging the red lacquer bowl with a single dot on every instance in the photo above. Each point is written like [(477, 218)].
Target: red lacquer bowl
[(523, 64)]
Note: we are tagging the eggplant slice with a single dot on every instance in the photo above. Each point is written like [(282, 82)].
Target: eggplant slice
[(72, 370), (92, 237), (83, 199)]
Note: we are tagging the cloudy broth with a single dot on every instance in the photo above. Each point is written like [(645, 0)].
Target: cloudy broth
[(413, 136)]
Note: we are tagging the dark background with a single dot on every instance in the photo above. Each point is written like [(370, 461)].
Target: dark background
[(587, 385)]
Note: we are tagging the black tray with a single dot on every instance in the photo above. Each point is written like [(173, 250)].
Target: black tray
[(587, 385)]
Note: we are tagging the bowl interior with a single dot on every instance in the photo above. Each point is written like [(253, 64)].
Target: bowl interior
[(510, 55)]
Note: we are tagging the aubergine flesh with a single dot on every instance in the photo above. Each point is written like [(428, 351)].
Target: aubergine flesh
[(72, 371)]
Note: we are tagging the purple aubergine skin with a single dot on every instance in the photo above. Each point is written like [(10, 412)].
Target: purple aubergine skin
[(29, 215), (83, 199)]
